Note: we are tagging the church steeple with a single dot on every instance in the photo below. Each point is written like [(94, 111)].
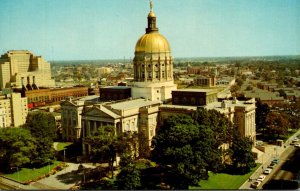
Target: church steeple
[(151, 21)]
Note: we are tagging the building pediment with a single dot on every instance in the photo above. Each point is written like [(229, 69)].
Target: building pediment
[(99, 111), (67, 103)]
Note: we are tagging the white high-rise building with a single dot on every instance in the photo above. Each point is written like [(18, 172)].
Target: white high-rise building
[(21, 67)]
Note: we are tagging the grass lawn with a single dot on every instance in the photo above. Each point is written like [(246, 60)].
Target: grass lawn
[(26, 174), (61, 145), (224, 181)]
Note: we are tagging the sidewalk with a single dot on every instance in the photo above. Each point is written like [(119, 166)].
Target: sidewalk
[(271, 152)]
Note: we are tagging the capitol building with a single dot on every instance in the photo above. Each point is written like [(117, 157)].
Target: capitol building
[(152, 88)]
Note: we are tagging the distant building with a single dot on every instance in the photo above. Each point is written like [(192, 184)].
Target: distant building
[(21, 68), (264, 96), (195, 97), (49, 95), (205, 81), (13, 110)]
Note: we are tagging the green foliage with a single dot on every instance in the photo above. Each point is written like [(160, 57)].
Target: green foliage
[(241, 154), (261, 113), (217, 122), (224, 181), (129, 178), (188, 147), (43, 128), (185, 149), (277, 123), (17, 148), (104, 145)]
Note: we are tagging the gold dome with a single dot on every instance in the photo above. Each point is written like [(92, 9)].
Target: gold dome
[(151, 14), (152, 43)]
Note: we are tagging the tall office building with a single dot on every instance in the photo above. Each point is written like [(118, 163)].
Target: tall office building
[(13, 110), (153, 65), (21, 68)]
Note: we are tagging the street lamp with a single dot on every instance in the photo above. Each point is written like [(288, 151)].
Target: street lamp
[(64, 155), (49, 165), (18, 174)]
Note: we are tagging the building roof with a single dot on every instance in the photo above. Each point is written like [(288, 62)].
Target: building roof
[(131, 104), (116, 87), (196, 90)]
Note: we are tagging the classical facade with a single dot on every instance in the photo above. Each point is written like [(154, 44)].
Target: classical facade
[(13, 110), (136, 115), (153, 65), (20, 68)]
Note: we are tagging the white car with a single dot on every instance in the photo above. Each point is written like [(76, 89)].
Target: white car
[(261, 178), (295, 139), (297, 145), (268, 171)]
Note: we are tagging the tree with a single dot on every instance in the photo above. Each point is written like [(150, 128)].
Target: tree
[(129, 178), (104, 145), (262, 110), (43, 128), (241, 153), (180, 148), (17, 148), (234, 89), (277, 123), (216, 121)]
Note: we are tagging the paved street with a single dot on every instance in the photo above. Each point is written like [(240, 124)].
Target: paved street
[(271, 152)]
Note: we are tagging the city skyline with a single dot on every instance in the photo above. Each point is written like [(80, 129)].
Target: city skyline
[(91, 29)]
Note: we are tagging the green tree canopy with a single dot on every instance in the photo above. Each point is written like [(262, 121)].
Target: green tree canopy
[(241, 154), (17, 148), (104, 145), (43, 128), (185, 150), (277, 123)]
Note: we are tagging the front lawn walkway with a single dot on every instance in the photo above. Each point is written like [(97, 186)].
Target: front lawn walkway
[(224, 181), (26, 174)]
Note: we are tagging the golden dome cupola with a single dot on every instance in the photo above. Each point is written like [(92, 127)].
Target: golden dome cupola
[(152, 64), (151, 21)]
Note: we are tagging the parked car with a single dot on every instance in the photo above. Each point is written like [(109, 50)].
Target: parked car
[(295, 139), (297, 145), (255, 184), (275, 161), (272, 165), (261, 178), (268, 171)]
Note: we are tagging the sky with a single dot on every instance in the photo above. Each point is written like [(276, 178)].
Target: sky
[(109, 29)]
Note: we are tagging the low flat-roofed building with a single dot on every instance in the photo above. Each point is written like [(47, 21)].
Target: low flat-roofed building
[(49, 95), (205, 81), (113, 93), (195, 97)]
